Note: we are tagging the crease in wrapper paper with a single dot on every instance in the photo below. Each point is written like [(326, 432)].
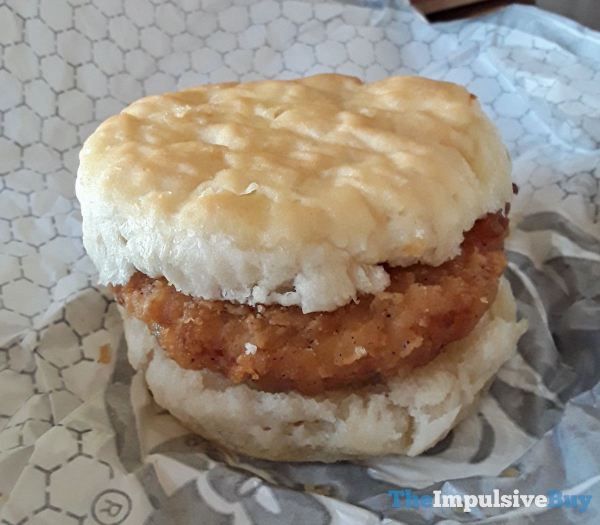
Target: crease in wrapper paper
[(80, 437)]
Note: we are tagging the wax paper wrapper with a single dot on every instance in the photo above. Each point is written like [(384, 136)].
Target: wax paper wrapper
[(81, 440)]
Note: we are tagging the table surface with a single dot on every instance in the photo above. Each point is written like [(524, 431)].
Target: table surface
[(587, 12)]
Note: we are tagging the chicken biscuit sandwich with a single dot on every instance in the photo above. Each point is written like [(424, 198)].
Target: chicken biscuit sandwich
[(307, 269)]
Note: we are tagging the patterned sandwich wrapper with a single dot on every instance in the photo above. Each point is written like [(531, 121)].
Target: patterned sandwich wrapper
[(81, 440)]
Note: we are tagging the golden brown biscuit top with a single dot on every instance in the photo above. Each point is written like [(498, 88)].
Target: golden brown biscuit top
[(303, 185)]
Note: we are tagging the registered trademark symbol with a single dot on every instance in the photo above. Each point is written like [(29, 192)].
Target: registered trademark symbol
[(111, 507)]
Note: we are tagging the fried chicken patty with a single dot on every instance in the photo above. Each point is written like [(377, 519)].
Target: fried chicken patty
[(279, 349)]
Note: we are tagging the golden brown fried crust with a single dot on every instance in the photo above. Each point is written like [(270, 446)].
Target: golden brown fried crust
[(407, 325)]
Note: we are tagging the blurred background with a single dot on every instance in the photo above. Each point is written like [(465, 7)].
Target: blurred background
[(586, 12)]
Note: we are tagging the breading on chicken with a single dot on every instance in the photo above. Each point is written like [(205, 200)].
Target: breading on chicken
[(279, 349)]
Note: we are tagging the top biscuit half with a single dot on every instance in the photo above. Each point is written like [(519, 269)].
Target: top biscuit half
[(291, 192)]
